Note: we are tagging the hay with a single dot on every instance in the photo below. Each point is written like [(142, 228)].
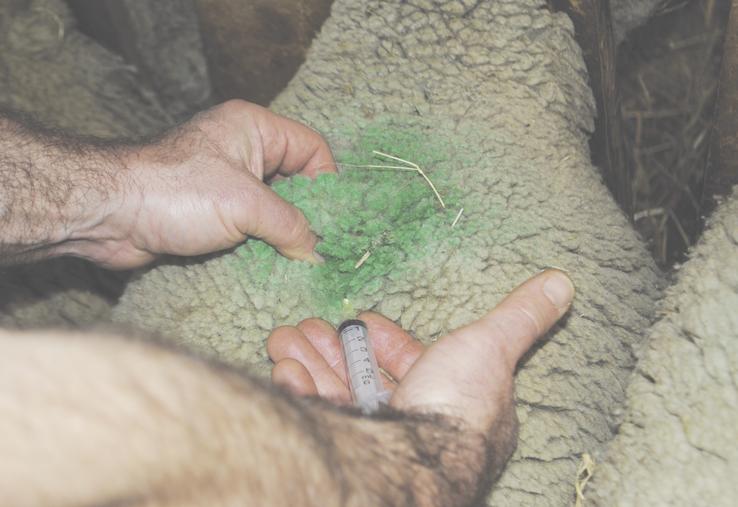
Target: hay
[(668, 74), (409, 166), (585, 471)]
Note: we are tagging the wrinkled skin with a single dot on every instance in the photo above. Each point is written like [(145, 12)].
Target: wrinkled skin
[(80, 87)]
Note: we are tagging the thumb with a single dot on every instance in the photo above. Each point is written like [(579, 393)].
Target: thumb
[(468, 373), (269, 217), (526, 314)]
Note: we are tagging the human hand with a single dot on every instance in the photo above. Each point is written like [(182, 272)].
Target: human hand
[(201, 188), (467, 375)]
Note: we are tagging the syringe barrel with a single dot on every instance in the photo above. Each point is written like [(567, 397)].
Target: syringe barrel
[(362, 371)]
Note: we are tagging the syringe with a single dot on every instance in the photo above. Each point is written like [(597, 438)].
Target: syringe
[(362, 370)]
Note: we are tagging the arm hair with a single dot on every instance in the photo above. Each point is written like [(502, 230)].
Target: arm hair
[(97, 420), (55, 189)]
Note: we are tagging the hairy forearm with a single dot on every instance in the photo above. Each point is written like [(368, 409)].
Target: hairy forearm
[(87, 420), (412, 460), (55, 192)]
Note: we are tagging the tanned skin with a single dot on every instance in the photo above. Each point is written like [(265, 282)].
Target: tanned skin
[(198, 189), (95, 419)]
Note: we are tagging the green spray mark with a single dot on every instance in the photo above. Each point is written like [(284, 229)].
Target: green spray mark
[(394, 215)]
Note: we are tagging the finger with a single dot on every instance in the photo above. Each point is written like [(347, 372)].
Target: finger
[(277, 177), (288, 342), (324, 338), (388, 382), (525, 314), (291, 147), (265, 215), (395, 349), (292, 375)]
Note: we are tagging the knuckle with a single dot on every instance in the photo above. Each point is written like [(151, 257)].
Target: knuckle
[(278, 341), (502, 333), (314, 323), (298, 228), (529, 320), (234, 106)]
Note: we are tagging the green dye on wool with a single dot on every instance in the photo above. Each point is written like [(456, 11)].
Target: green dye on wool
[(392, 214)]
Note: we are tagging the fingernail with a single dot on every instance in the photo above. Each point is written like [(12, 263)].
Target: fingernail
[(554, 267), (318, 258), (559, 289)]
